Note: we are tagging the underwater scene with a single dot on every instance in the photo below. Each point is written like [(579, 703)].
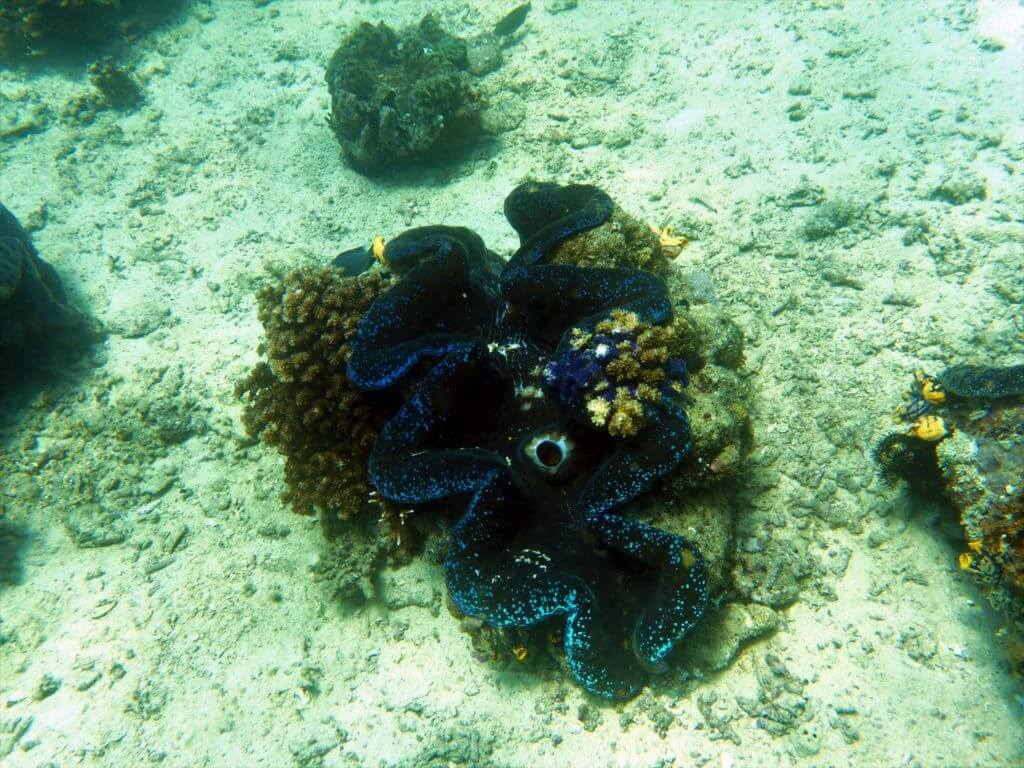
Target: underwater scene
[(475, 383)]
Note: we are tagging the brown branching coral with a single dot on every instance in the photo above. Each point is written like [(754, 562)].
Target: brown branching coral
[(300, 400)]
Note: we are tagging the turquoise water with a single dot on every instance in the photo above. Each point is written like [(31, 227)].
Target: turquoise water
[(209, 556)]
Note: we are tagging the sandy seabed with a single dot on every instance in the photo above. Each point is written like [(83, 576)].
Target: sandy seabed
[(808, 148)]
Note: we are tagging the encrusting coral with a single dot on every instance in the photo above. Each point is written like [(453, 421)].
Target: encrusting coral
[(300, 400)]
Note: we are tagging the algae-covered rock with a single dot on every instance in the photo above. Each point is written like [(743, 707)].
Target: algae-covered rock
[(718, 640), (117, 84), (621, 241), (354, 555), (483, 54), (959, 186), (400, 97)]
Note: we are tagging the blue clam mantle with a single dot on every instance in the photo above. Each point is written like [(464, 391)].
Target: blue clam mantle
[(481, 352)]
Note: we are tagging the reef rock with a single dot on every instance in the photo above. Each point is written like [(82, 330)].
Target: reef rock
[(399, 97), (41, 28), (36, 318), (982, 465), (966, 442)]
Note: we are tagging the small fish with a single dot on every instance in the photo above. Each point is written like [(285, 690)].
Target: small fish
[(354, 261), (512, 21), (703, 204)]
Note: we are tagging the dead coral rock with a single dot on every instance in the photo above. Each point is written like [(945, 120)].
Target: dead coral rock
[(91, 525), (352, 560), (771, 571), (718, 640), (299, 398), (117, 84), (722, 338), (410, 586)]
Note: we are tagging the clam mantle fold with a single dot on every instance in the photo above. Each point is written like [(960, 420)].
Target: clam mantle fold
[(534, 396)]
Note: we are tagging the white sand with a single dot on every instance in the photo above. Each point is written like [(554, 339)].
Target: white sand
[(166, 219)]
